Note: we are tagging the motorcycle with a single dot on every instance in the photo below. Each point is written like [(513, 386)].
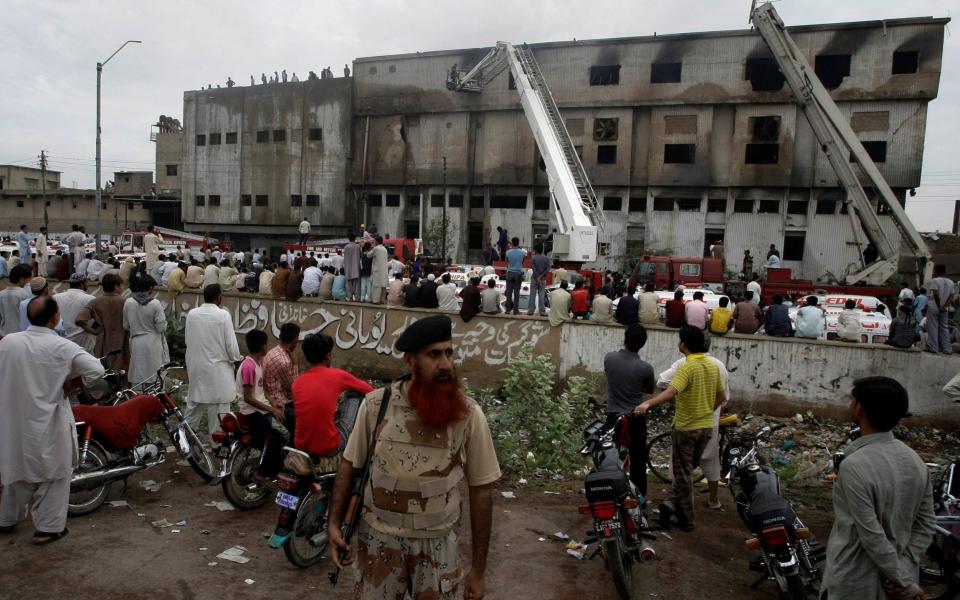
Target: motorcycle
[(242, 447), (107, 389), (114, 442), (620, 526), (788, 554), (305, 487)]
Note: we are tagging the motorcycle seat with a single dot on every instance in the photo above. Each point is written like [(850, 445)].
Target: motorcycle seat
[(120, 425), (767, 509)]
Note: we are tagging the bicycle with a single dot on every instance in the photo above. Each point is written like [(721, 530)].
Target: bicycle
[(660, 446)]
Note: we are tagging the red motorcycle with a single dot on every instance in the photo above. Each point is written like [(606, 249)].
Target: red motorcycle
[(114, 442)]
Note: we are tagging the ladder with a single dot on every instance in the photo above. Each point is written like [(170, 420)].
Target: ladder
[(588, 198)]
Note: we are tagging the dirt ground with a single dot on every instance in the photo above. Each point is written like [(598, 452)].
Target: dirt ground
[(117, 553)]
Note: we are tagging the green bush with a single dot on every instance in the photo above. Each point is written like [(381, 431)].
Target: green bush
[(536, 432), (176, 336)]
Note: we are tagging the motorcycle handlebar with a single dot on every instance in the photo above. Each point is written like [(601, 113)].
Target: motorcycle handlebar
[(766, 431)]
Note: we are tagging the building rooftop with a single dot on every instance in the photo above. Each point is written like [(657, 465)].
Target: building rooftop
[(28, 168), (678, 36)]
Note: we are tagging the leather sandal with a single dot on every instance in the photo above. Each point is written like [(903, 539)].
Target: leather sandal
[(41, 538)]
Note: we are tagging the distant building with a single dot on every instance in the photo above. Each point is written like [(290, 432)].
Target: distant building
[(13, 177), (688, 139)]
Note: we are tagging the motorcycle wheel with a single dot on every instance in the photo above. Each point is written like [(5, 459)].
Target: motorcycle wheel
[(658, 459), (796, 589), (620, 565), (199, 458), (935, 578), (310, 520), (240, 488), (85, 501)]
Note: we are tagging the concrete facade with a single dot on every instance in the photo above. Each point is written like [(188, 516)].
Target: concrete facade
[(66, 207), (169, 157), (750, 184), (13, 177), (258, 159), (133, 183)]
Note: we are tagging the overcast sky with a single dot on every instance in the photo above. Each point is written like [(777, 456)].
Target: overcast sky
[(49, 52)]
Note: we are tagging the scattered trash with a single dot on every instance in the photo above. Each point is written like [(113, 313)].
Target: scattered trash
[(549, 492), (788, 445), (666, 535), (521, 481), (165, 505), (779, 459), (176, 472), (576, 549), (561, 536), (117, 503), (141, 515), (249, 581), (182, 523), (182, 463), (151, 485), (162, 523), (235, 554), (202, 549), (204, 532), (211, 564), (541, 539), (174, 531), (220, 505), (798, 418), (507, 494), (266, 535)]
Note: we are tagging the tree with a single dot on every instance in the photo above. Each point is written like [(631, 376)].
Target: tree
[(438, 237)]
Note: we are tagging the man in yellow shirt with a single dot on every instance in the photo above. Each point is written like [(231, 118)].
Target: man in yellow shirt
[(697, 390), (721, 318), (178, 279)]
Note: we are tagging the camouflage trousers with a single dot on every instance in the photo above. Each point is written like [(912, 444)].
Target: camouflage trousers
[(688, 447), (390, 567)]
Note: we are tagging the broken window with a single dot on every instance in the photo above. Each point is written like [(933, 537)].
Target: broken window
[(637, 205), (679, 153), (262, 199), (614, 203), (764, 75), (769, 207), (663, 204), (762, 154), (831, 69), (413, 199), (246, 200), (279, 135), (393, 200), (689, 204), (412, 229), (743, 206), (315, 134), (313, 200), (214, 139), (263, 137), (826, 207), (765, 129), (607, 154), (475, 235), (201, 201), (514, 202), (605, 75), (231, 137), (201, 139), (511, 82), (296, 200), (436, 201), (476, 201), (605, 130), (374, 200), (793, 243), (455, 200), (214, 200), (876, 150), (797, 207), (541, 203), (171, 170), (665, 72), (717, 205), (906, 62)]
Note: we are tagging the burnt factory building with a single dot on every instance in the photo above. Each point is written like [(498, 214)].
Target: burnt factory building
[(687, 139)]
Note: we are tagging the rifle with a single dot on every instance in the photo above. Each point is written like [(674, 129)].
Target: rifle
[(355, 507)]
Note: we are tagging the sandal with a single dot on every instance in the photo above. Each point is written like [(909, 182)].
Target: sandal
[(41, 538), (6, 528)]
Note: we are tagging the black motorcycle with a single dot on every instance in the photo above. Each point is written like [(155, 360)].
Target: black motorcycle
[(788, 554), (620, 526), (305, 487)]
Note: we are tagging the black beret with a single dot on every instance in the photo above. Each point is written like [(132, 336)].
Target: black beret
[(424, 332)]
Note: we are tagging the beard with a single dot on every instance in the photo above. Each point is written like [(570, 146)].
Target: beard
[(438, 400)]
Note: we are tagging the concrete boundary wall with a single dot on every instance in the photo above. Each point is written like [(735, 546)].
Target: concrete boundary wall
[(773, 375)]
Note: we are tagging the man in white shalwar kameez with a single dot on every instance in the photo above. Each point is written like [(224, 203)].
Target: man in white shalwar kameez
[(38, 446), (70, 303), (212, 352), (146, 323), (151, 247)]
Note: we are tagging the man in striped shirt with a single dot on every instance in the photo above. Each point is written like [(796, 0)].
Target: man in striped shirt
[(697, 390), (279, 371)]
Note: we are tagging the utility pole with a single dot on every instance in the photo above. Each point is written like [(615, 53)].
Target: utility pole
[(443, 220), (43, 186)]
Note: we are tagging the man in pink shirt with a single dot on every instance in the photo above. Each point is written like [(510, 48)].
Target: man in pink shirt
[(695, 312)]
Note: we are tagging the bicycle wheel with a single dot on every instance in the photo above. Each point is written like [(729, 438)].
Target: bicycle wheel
[(659, 459)]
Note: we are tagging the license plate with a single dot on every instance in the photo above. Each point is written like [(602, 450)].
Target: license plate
[(224, 451), (287, 500)]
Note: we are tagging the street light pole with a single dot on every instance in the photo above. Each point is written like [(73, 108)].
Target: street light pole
[(99, 194)]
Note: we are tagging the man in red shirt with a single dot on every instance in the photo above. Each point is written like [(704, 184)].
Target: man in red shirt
[(579, 300), (315, 396), (675, 310)]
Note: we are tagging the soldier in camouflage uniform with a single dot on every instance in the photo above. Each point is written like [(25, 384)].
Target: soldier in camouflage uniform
[(432, 436)]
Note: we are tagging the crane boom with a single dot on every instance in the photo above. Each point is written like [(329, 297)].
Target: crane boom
[(578, 212), (838, 141)]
